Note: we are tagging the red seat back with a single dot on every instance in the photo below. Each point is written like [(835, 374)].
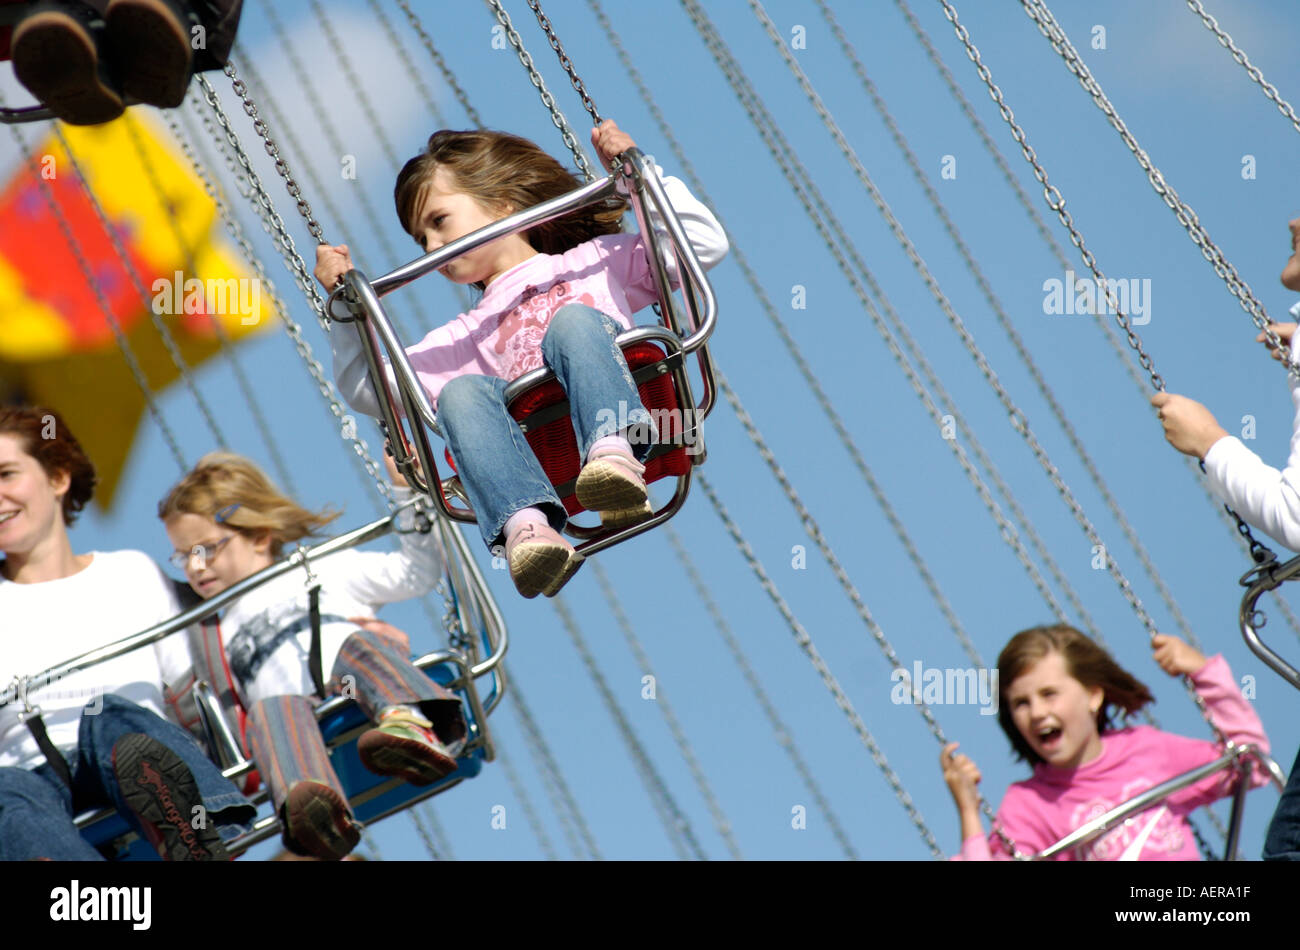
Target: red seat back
[(556, 445)]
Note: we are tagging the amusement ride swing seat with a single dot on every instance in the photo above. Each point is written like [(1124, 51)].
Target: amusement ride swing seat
[(656, 355), (472, 612)]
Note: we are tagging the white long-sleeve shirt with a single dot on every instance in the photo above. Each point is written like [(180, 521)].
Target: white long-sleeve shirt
[(1265, 498), (267, 632), (502, 334), (118, 594)]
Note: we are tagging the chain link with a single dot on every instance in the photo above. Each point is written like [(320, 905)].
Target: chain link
[(1252, 71), (670, 813), (561, 123), (448, 76), (88, 274), (565, 62)]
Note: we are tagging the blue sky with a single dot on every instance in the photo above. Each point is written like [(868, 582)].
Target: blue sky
[(1191, 107)]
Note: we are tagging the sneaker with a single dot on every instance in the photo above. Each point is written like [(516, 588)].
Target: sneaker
[(405, 745), (160, 790), (317, 822), (613, 483), (150, 40), (541, 562), (57, 55)]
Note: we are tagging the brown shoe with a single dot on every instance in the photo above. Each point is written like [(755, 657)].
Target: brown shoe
[(317, 822), (58, 57), (150, 40)]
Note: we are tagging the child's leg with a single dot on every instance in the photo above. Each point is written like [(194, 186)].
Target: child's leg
[(506, 485), (286, 743), (614, 429), (1283, 840), (497, 466), (415, 716)]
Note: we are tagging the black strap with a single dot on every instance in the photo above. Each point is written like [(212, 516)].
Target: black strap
[(52, 755), (314, 661)]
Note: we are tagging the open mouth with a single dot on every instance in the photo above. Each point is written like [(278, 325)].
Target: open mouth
[(1049, 737), (7, 516)]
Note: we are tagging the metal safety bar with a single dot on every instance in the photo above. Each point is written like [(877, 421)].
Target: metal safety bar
[(494, 633), (1243, 758), (1257, 581), (356, 300)]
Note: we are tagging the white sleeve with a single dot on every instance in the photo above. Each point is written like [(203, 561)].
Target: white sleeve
[(411, 571), (1264, 497), (702, 229), (350, 371)]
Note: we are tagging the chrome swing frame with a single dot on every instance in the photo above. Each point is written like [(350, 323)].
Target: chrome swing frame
[(357, 300), (483, 631), (1258, 581)]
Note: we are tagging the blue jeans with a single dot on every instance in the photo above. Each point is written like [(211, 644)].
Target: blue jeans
[(500, 473), (1283, 840), (37, 809)]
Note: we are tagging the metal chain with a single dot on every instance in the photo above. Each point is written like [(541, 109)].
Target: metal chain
[(274, 225), (1050, 29), (557, 789), (1123, 354), (561, 123), (281, 168), (242, 382), (448, 76), (430, 845), (680, 834), (1252, 71), (146, 298), (780, 731), (806, 644), (88, 274), (670, 717), (999, 312), (525, 801), (565, 62), (438, 831), (1056, 201)]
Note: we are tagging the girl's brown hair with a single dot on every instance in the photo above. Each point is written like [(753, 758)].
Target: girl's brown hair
[(230, 486), (1085, 661), (45, 437), (504, 171)]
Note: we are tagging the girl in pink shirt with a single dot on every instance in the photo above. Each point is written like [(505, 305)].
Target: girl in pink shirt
[(1059, 691), (556, 295)]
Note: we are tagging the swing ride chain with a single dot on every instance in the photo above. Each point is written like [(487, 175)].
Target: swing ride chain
[(561, 123), (274, 225), (1056, 201), (565, 62), (1050, 29), (88, 274), (273, 150), (1239, 55), (448, 76)]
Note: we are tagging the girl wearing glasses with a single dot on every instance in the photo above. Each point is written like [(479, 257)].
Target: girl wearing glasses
[(99, 738), (227, 521)]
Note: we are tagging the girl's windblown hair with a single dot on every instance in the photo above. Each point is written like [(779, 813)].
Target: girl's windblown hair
[(1084, 660), (232, 490), (505, 173)]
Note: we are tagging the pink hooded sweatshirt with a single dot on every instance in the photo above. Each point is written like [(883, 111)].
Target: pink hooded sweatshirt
[(1042, 810)]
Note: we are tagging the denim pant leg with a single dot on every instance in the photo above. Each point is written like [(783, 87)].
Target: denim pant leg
[(1283, 840), (100, 729), (579, 348), (36, 819), (497, 466)]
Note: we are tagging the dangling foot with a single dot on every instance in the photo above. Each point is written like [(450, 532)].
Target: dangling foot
[(160, 790), (613, 483), (57, 55), (150, 40), (317, 822), (404, 744), (541, 562)]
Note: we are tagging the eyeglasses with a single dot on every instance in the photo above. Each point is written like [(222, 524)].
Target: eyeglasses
[(204, 552)]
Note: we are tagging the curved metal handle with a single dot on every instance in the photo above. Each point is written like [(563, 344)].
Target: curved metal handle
[(1268, 580)]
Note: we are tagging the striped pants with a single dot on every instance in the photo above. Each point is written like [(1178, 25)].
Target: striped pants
[(285, 740)]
